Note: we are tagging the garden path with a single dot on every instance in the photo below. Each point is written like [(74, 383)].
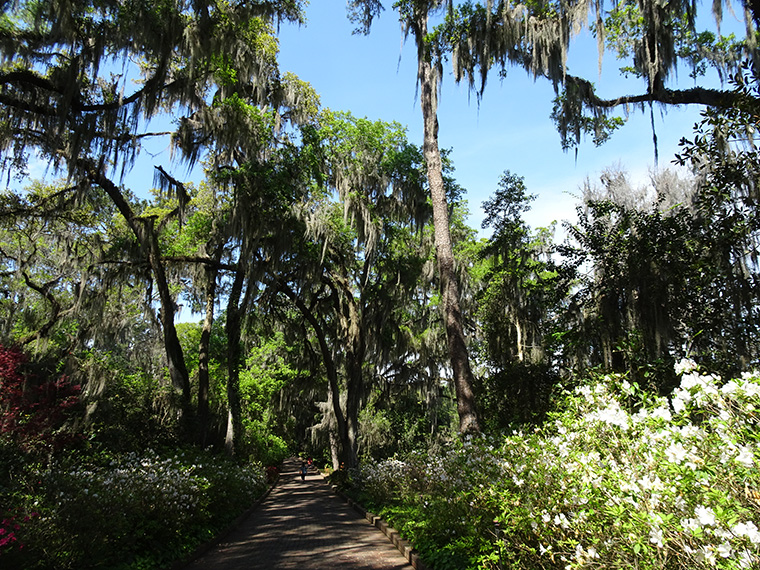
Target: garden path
[(303, 525)]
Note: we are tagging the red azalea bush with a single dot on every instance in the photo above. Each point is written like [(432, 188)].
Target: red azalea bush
[(9, 529), (32, 411)]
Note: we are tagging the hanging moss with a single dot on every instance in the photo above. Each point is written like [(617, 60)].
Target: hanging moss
[(654, 37)]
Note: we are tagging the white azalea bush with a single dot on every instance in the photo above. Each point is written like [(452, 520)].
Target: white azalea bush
[(135, 510), (618, 479)]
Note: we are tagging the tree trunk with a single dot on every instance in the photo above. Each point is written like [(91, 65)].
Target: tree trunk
[(330, 368), (460, 362), (353, 327), (354, 388), (144, 232), (518, 329), (204, 353), (175, 358), (234, 412), (334, 450)]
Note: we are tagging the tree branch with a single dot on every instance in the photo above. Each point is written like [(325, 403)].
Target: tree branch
[(207, 261), (44, 291), (694, 96), (30, 78)]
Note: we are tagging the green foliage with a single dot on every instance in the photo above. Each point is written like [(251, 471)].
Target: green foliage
[(375, 433), (126, 407), (267, 373), (50, 243), (627, 27), (573, 124), (402, 419), (641, 276), (266, 447), (522, 291), (516, 393), (186, 50), (190, 335)]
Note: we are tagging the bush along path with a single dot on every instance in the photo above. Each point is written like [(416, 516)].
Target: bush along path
[(616, 479), (303, 525), (124, 511)]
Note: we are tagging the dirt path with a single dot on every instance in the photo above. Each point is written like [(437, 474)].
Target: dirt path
[(303, 525)]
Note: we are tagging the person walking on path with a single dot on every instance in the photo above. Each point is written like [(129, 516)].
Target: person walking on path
[(302, 527), (304, 469)]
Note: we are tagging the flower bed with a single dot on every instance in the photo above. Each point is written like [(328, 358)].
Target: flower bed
[(618, 479), (128, 511)]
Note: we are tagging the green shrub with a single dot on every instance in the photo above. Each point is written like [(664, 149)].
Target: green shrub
[(264, 446)]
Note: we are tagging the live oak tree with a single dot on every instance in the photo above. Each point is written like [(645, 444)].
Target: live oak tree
[(652, 40), (193, 247), (345, 280), (81, 81), (53, 253)]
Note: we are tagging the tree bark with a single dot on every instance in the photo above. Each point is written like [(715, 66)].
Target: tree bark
[(334, 450), (233, 326), (175, 358), (354, 381), (204, 352), (694, 96), (460, 362)]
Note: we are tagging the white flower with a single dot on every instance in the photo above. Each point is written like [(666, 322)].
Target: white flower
[(579, 553), (689, 381), (655, 536), (746, 560), (685, 365), (679, 403), (748, 529), (708, 555), (585, 391), (724, 550), (561, 520), (612, 415), (729, 387), (676, 452), (662, 413), (745, 456), (649, 482), (705, 515)]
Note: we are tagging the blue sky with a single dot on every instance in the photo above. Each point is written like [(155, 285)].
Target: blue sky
[(375, 77)]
